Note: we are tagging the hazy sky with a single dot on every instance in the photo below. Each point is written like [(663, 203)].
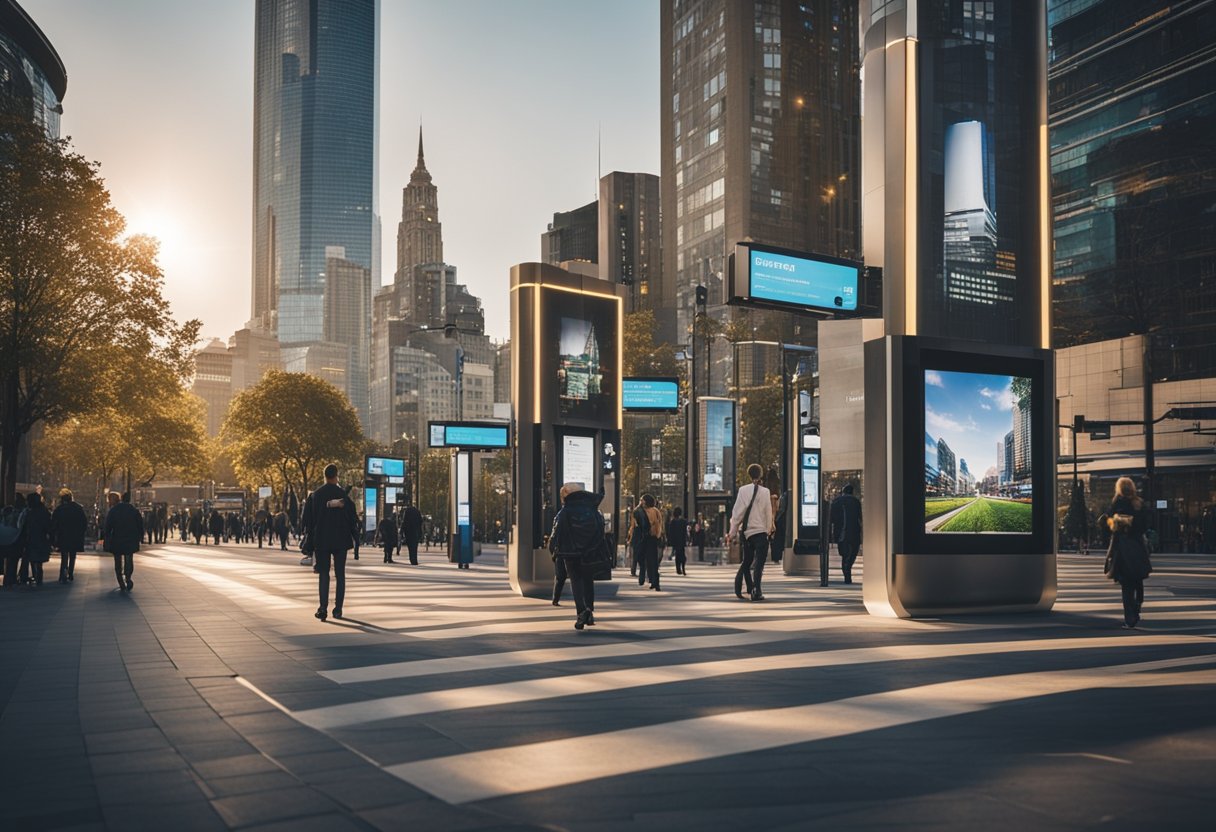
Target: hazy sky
[(511, 94)]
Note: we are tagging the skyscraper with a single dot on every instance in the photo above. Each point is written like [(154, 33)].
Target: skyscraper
[(32, 77), (314, 154), (348, 298), (760, 137), (573, 235), (630, 240), (1132, 114)]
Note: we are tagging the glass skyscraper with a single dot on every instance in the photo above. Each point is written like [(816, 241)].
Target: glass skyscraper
[(1133, 165), (32, 78), (314, 167)]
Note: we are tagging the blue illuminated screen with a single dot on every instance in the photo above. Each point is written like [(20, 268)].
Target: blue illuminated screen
[(796, 280), (650, 394), (385, 466), (475, 436)]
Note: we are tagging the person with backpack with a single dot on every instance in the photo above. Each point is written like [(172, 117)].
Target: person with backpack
[(577, 542), (331, 523), (751, 522), (649, 532)]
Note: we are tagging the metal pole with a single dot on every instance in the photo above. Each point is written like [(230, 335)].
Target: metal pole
[(690, 418)]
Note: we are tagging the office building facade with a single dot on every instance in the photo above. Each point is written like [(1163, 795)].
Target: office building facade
[(573, 235), (33, 80), (630, 238), (314, 155), (760, 138), (347, 319)]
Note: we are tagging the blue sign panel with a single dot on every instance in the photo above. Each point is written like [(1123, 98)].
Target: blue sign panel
[(799, 281), (385, 466), (462, 436), (475, 436), (650, 394)]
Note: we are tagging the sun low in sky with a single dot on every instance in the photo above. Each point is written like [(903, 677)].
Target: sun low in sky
[(512, 96)]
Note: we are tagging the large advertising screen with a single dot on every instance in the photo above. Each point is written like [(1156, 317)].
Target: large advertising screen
[(978, 453), (770, 276), (717, 427), (650, 395), (468, 435), (582, 333), (578, 460)]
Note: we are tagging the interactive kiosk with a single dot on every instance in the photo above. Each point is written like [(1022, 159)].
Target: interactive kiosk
[(469, 442), (566, 394), (808, 523), (960, 465)]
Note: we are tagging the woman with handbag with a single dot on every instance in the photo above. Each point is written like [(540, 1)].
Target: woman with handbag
[(578, 542), (1127, 560)]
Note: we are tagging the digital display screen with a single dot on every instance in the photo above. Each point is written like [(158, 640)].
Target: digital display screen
[(977, 452), (265, 492), (578, 460), (581, 334), (369, 509), (650, 394), (800, 281), (385, 466), (717, 469), (808, 499), (392, 496), (469, 435)]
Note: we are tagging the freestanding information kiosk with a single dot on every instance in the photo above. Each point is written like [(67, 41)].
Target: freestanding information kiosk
[(468, 442), (959, 392), (566, 394)]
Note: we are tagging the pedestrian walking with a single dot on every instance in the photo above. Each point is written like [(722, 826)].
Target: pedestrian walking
[(386, 532), (332, 523), (215, 525), (124, 529), (751, 523), (650, 532), (261, 523), (411, 531), (698, 537), (68, 524), (776, 543), (577, 540), (1127, 559), (36, 537), (677, 537), (846, 530), (281, 529), (197, 527)]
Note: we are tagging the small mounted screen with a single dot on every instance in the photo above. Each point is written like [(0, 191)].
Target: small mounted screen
[(385, 466), (651, 395), (469, 436), (774, 277)]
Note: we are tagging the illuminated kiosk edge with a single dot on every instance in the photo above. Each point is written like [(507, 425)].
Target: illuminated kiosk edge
[(566, 364)]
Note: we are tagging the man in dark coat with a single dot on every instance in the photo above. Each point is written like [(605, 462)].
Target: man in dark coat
[(677, 536), (124, 530), (578, 540), (36, 536), (215, 525), (387, 531), (846, 530), (281, 529), (331, 518), (68, 524), (411, 530)]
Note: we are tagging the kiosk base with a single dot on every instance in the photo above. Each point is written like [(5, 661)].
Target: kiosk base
[(806, 566), (987, 584)]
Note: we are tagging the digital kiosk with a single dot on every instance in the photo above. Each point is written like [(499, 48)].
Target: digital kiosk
[(960, 466), (807, 522), (566, 393), (468, 442), (383, 488)]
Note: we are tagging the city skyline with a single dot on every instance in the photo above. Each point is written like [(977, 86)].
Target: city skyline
[(970, 411), (179, 165)]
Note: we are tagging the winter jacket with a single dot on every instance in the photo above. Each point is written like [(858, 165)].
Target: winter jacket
[(332, 517), (68, 525), (124, 529), (578, 529)]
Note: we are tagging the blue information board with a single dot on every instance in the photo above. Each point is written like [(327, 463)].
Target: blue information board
[(653, 395), (385, 466), (768, 276), (469, 435)]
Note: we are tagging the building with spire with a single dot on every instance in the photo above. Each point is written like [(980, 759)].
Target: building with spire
[(428, 331)]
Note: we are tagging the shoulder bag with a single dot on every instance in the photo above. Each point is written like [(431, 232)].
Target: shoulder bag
[(736, 542)]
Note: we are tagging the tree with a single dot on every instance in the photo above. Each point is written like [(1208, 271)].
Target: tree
[(83, 322), (759, 434), (292, 423)]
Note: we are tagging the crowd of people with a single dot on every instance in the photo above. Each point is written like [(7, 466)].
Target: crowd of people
[(329, 528)]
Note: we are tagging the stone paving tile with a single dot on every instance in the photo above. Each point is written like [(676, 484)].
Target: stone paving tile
[(272, 805), (251, 783), (192, 816)]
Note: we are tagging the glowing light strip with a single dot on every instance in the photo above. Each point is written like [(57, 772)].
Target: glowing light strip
[(910, 170), (536, 336), (1044, 243)]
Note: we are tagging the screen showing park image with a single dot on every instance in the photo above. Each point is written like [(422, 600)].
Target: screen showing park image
[(977, 453)]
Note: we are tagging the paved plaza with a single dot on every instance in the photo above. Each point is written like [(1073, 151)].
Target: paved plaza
[(210, 698)]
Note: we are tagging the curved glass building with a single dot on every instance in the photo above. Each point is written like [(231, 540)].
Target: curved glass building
[(32, 77)]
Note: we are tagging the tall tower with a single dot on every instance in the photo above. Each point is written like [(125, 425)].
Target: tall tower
[(314, 154), (419, 234)]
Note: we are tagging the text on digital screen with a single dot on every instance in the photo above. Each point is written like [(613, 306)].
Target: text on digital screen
[(781, 278), (650, 394)]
